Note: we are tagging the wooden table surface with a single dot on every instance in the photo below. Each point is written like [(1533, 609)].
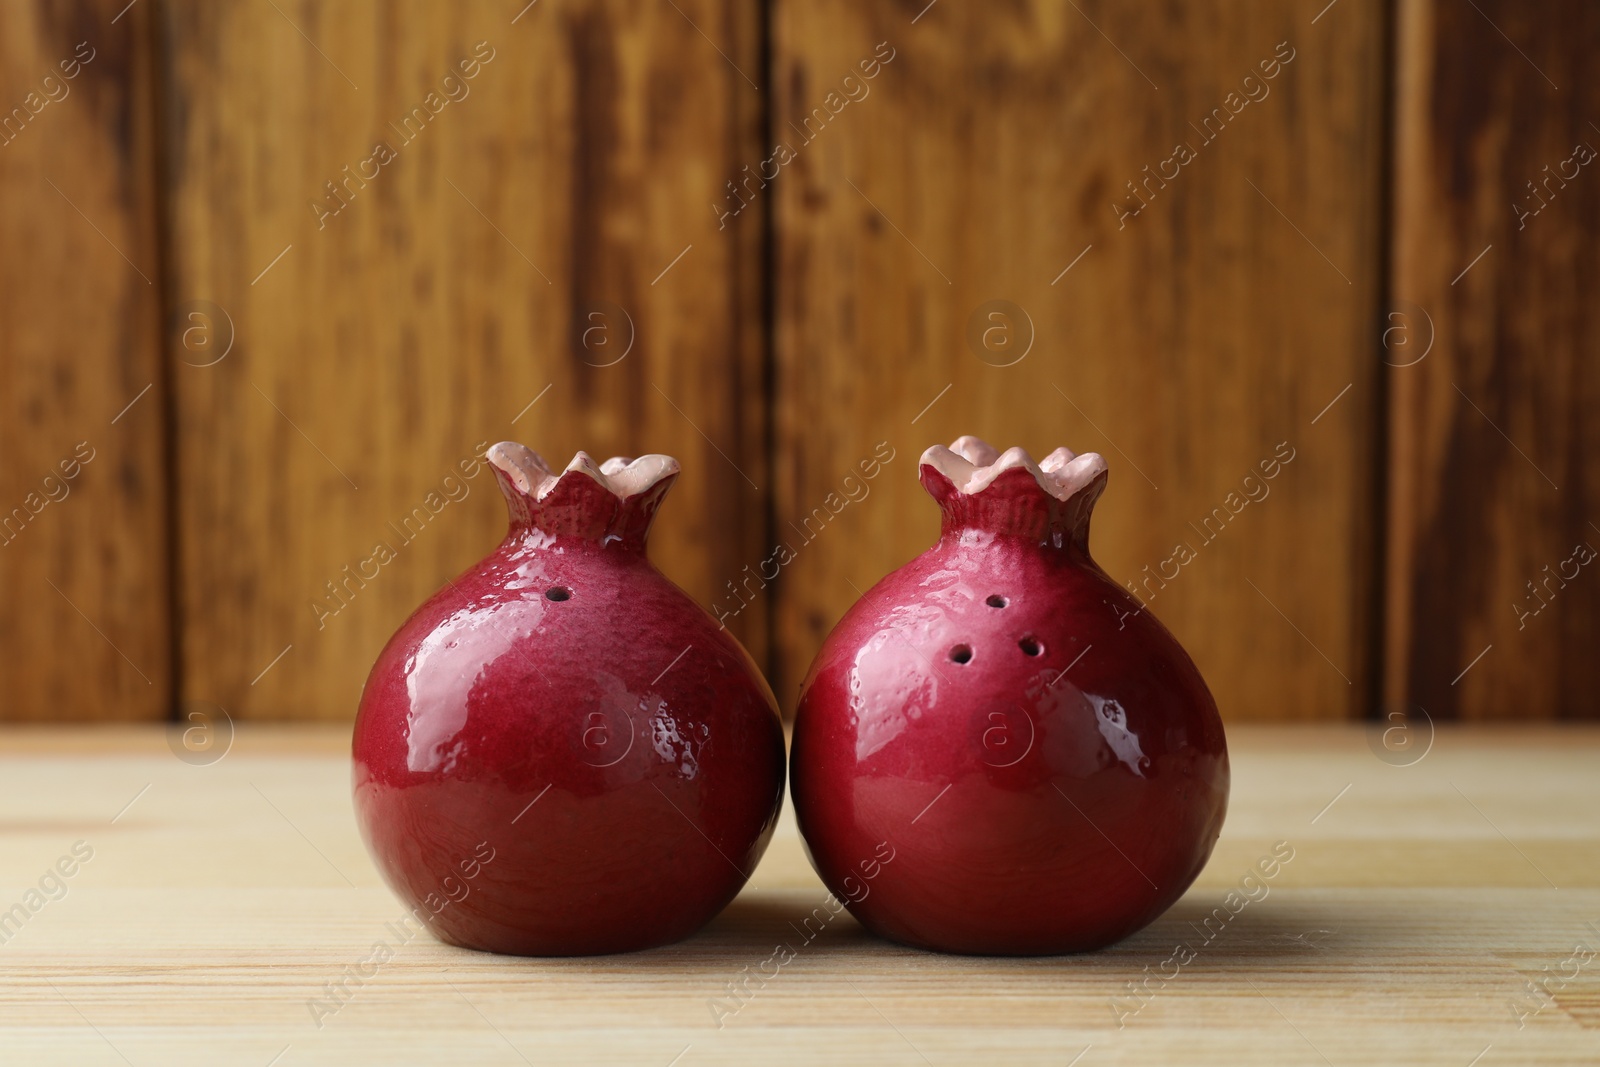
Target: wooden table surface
[(1423, 906)]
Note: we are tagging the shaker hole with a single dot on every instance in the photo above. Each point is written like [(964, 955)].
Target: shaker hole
[(1031, 646), (961, 653), (558, 592), (996, 601)]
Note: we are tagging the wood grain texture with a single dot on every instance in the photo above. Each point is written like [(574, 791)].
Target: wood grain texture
[(1496, 492), (224, 898), (83, 563), (524, 226), (1188, 334)]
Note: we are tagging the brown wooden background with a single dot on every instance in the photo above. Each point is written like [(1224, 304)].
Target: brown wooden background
[(1348, 269)]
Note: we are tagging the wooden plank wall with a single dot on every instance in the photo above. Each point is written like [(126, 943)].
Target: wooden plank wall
[(1494, 595), (781, 241), (1189, 333), (83, 507), (550, 214)]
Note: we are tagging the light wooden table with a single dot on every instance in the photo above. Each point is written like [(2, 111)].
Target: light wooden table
[(221, 899)]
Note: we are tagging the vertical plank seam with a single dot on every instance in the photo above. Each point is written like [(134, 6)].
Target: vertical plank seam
[(158, 92), (772, 660), (1382, 458)]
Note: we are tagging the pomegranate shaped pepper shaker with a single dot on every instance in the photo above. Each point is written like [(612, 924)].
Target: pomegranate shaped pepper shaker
[(1035, 754), (561, 753)]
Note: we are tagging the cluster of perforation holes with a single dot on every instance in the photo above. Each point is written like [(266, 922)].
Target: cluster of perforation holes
[(1030, 645)]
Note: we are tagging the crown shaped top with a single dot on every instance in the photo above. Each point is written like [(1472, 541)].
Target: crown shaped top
[(1007, 493), (612, 502)]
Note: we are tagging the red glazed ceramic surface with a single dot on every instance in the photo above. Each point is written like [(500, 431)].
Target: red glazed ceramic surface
[(1039, 754), (561, 753)]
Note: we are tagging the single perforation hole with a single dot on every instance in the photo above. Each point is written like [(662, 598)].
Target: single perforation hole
[(996, 601), (961, 653), (1031, 646), (557, 592)]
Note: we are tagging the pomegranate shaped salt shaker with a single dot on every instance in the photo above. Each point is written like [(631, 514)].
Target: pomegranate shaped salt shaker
[(998, 750), (561, 753)]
